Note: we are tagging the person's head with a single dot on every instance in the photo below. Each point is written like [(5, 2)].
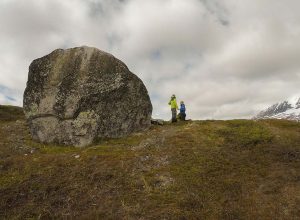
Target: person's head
[(173, 97), (181, 102)]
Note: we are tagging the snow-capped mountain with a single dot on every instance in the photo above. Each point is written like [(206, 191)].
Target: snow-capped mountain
[(285, 110)]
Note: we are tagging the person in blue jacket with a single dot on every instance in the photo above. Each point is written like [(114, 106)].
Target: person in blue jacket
[(182, 111)]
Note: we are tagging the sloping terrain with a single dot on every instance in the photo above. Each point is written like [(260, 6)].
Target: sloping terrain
[(235, 169)]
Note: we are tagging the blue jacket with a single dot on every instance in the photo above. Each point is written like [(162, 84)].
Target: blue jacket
[(182, 108)]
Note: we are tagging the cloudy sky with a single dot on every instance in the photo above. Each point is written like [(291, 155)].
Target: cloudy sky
[(224, 58)]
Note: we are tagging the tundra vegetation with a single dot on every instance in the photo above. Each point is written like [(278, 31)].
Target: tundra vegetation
[(237, 169)]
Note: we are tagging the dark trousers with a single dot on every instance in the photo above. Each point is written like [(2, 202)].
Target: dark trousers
[(174, 114), (182, 116)]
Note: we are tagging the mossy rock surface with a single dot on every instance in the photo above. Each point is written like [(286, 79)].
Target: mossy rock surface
[(77, 95)]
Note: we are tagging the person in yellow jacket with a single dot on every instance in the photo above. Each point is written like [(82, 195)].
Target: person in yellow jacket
[(174, 108)]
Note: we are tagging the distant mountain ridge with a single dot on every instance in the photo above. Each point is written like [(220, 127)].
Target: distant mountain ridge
[(284, 110)]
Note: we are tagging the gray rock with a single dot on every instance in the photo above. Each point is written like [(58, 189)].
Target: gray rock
[(157, 121), (77, 95), (298, 104), (284, 110), (275, 109)]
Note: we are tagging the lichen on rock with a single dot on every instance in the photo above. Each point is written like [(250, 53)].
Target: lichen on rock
[(77, 95)]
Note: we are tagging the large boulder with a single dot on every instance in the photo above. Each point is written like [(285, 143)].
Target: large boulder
[(77, 95)]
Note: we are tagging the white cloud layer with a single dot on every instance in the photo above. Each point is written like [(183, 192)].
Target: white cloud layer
[(225, 59)]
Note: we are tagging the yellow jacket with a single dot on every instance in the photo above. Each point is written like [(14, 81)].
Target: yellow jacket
[(173, 103)]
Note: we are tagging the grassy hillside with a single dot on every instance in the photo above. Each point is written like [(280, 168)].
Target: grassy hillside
[(192, 170), (10, 113)]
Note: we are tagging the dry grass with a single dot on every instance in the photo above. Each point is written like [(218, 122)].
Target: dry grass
[(195, 170), (10, 113)]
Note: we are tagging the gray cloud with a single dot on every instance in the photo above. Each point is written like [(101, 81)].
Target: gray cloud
[(225, 59)]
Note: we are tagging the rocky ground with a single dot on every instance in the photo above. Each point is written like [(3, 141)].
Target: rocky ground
[(235, 169)]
